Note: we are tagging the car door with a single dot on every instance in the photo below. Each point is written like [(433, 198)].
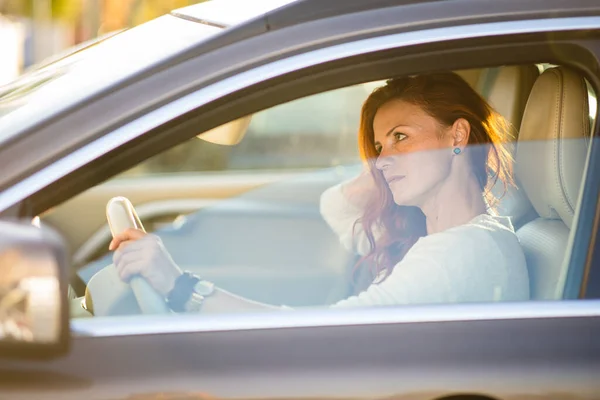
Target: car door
[(501, 350)]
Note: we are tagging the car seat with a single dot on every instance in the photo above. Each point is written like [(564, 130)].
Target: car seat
[(550, 159), (507, 89)]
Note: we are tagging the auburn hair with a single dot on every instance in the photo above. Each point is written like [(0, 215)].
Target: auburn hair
[(446, 97)]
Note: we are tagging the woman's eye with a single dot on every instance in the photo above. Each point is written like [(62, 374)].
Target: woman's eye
[(399, 136)]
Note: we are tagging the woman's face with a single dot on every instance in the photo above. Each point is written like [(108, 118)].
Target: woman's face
[(415, 151)]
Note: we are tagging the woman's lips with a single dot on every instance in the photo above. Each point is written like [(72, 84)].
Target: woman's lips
[(396, 178)]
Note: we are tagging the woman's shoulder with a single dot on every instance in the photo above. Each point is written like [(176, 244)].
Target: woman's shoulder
[(476, 259), (484, 230), (485, 238)]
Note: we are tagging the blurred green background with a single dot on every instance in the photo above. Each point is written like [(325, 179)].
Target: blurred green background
[(33, 30)]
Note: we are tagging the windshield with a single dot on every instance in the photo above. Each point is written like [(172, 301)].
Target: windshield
[(44, 92)]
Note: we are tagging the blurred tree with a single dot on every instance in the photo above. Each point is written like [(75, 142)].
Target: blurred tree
[(68, 10), (16, 7), (86, 19), (120, 12), (115, 14)]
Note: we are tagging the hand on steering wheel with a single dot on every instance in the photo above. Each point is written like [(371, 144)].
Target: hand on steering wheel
[(122, 218), (139, 253)]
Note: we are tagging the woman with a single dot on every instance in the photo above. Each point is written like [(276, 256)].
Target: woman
[(421, 217)]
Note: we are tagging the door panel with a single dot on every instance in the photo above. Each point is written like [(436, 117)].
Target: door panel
[(506, 359)]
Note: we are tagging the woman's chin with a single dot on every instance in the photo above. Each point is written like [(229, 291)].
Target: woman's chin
[(403, 200)]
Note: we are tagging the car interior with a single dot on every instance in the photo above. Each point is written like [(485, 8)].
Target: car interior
[(259, 233)]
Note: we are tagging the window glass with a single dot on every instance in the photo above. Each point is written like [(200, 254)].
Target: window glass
[(314, 132), (278, 219)]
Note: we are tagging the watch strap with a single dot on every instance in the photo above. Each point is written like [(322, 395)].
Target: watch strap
[(182, 291)]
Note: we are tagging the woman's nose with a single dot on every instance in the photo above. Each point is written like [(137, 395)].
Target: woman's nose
[(383, 161)]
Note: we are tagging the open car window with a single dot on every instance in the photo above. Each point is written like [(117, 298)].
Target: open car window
[(250, 216), (276, 139)]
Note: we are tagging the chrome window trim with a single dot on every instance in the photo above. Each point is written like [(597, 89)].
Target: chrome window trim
[(187, 323), (140, 126)]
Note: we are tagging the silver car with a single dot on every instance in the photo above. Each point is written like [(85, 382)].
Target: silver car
[(223, 123)]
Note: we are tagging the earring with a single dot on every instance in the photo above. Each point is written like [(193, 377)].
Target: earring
[(456, 150)]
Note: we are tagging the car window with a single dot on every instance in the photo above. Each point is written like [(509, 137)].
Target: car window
[(267, 219), (315, 132)]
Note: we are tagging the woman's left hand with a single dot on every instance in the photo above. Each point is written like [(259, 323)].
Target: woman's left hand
[(140, 253)]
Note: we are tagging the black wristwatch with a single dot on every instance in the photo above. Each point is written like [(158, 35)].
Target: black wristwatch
[(188, 293)]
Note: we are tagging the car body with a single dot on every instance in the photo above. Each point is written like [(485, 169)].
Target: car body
[(107, 108)]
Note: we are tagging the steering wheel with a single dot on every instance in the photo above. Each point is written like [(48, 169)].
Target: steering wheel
[(106, 293)]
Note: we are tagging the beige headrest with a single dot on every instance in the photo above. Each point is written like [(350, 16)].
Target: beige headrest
[(507, 89), (553, 143)]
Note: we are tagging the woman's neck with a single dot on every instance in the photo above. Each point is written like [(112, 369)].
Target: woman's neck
[(454, 203)]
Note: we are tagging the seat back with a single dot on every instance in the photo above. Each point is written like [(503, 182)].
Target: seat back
[(550, 158), (507, 89)]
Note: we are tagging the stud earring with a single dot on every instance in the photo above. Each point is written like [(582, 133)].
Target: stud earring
[(456, 150)]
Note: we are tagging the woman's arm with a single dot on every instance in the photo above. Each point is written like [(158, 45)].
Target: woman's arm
[(222, 301), (342, 205), (419, 278), (359, 189), (139, 253)]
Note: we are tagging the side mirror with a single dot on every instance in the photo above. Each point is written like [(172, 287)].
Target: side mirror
[(34, 315)]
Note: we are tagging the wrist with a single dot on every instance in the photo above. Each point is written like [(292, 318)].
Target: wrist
[(359, 189), (188, 292), (169, 282)]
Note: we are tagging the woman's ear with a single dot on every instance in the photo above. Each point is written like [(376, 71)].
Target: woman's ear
[(461, 129)]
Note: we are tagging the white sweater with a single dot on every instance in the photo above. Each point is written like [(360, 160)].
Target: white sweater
[(481, 261)]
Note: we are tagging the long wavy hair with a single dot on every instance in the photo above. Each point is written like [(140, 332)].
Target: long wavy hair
[(446, 97)]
